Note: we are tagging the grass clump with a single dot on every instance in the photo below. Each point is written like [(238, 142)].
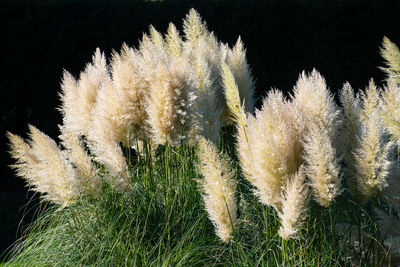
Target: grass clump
[(149, 167)]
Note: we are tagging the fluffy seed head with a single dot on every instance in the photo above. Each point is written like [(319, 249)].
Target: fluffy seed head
[(391, 109), (349, 135), (194, 27), (391, 54), (169, 104), (373, 155), (314, 101), (45, 167), (173, 41), (236, 59), (219, 188), (275, 147), (78, 97), (294, 205)]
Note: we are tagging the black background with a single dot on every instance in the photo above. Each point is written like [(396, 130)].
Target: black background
[(38, 39)]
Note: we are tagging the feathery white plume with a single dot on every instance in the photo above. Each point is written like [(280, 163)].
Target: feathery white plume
[(219, 188), (349, 134), (294, 205), (321, 114), (373, 155), (45, 167)]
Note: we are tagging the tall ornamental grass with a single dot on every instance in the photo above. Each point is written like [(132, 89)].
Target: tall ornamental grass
[(164, 160)]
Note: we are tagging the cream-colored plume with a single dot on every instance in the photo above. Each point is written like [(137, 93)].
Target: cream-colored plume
[(194, 28), (373, 156), (316, 104), (204, 76), (232, 94), (238, 115), (92, 108), (268, 145), (322, 166), (109, 127), (151, 56), (200, 40), (156, 38), (274, 145), (207, 111), (132, 88), (391, 53), (237, 62), (219, 188), (173, 41), (269, 149), (391, 109), (45, 167), (294, 205), (349, 135), (169, 104), (78, 97)]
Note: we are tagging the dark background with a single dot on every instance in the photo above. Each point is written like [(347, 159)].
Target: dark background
[(38, 39)]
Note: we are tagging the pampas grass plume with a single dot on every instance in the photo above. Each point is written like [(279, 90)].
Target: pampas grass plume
[(322, 166), (391, 109), (207, 111), (349, 134), (294, 205), (45, 167), (391, 54), (169, 104), (275, 148), (374, 152), (78, 97), (130, 90), (219, 188), (194, 27), (238, 115), (232, 94), (236, 59), (108, 128), (321, 114), (173, 41)]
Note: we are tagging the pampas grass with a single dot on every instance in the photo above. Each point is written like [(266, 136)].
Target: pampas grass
[(237, 62), (391, 55), (108, 128), (79, 97), (349, 134), (167, 91), (219, 189), (45, 167), (390, 109), (273, 141), (294, 205), (138, 178), (169, 104), (373, 156), (316, 104)]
